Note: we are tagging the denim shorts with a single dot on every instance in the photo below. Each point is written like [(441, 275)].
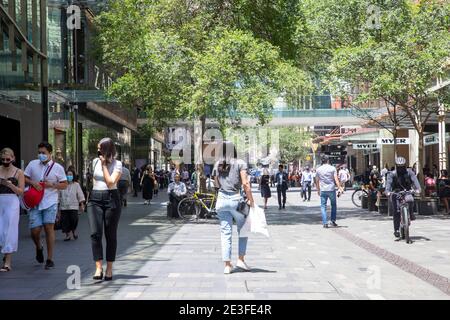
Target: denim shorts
[(37, 218)]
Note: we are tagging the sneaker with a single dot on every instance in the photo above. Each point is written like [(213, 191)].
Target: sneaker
[(397, 234), (242, 265), (325, 226), (40, 255), (227, 269), (412, 216), (49, 265), (333, 223)]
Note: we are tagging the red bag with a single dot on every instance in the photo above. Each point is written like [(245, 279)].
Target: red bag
[(32, 197)]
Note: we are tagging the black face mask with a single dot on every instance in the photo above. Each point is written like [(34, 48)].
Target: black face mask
[(99, 153), (6, 164)]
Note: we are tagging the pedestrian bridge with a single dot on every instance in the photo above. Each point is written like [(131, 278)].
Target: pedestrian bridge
[(280, 116)]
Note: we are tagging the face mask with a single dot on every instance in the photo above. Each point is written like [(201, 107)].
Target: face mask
[(42, 157), (69, 178), (6, 164), (99, 153)]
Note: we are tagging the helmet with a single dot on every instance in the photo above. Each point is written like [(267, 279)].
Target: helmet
[(32, 197), (400, 161)]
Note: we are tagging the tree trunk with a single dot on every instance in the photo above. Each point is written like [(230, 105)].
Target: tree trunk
[(202, 177), (420, 164)]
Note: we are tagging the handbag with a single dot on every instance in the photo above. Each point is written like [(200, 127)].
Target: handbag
[(32, 197), (243, 207), (58, 224)]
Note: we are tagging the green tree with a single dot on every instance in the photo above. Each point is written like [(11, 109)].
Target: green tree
[(399, 68), (295, 144), (196, 59)]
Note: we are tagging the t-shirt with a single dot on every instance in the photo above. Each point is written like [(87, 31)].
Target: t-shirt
[(325, 174), (99, 180), (36, 171), (126, 176), (230, 181), (343, 175)]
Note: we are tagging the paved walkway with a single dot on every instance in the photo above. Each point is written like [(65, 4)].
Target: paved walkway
[(162, 259)]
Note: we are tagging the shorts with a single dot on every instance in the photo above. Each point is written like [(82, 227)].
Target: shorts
[(40, 217)]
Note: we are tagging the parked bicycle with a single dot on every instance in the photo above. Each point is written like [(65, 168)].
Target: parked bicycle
[(361, 190), (199, 205)]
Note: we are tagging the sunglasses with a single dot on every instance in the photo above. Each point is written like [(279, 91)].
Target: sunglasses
[(6, 160)]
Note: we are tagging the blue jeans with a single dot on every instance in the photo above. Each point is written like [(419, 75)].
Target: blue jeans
[(324, 196), (226, 210)]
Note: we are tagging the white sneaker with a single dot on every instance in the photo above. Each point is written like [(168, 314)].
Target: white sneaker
[(242, 265), (227, 269)]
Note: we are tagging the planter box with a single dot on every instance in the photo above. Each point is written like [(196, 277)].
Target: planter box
[(427, 206), (365, 202), (383, 208), (371, 203)]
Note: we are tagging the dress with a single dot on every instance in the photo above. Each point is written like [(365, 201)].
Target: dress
[(147, 187), (265, 188)]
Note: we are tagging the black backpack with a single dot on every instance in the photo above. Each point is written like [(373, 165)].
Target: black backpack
[(403, 182)]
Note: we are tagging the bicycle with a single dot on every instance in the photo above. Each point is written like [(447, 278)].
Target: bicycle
[(195, 204), (404, 198), (361, 190)]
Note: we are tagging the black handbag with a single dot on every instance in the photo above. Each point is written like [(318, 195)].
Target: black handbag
[(243, 207)]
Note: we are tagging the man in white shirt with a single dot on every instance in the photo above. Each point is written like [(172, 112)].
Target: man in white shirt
[(344, 176), (306, 182), (53, 177), (326, 182), (176, 191)]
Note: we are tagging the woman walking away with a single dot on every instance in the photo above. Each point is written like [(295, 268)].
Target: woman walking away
[(265, 188), (71, 201), (12, 184), (104, 207), (147, 183), (231, 175)]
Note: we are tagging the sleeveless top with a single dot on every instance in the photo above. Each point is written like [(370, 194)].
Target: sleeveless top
[(14, 180)]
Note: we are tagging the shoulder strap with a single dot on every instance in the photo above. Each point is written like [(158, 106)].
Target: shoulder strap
[(47, 172)]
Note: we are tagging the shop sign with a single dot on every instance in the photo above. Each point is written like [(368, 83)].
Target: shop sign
[(364, 146), (434, 139), (391, 141)]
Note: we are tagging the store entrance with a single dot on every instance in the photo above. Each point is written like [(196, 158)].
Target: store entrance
[(11, 136)]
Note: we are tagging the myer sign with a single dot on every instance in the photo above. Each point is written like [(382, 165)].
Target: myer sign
[(391, 141), (365, 146), (434, 139)]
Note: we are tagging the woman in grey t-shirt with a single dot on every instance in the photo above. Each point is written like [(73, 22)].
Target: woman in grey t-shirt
[(230, 175)]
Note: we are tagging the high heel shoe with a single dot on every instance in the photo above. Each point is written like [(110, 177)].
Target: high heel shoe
[(108, 278), (100, 277)]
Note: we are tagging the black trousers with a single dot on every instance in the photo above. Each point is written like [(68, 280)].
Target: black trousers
[(104, 211), (122, 185), (306, 188), (392, 208), (174, 201), (69, 220), (281, 192)]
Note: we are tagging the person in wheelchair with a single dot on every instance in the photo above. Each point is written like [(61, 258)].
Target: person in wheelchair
[(400, 179), (177, 191)]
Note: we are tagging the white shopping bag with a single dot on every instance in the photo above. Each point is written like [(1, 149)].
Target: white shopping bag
[(255, 223)]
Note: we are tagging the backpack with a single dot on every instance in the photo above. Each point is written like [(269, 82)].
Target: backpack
[(403, 182)]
